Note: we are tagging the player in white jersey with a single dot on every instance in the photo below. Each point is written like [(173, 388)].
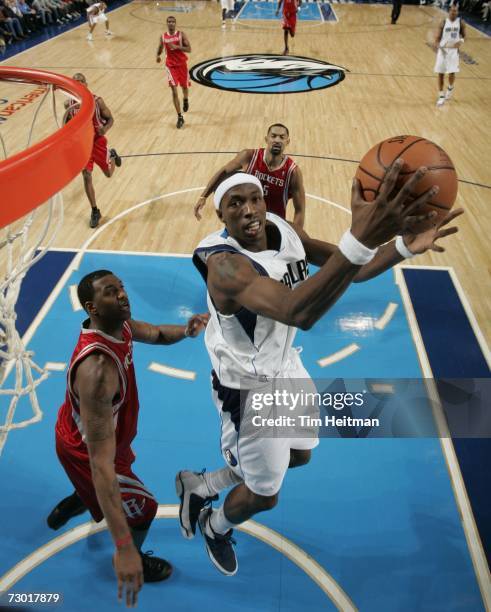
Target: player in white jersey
[(96, 13), (259, 293), (227, 8), (450, 37)]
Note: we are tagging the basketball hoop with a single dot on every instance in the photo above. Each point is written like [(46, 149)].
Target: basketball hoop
[(28, 179)]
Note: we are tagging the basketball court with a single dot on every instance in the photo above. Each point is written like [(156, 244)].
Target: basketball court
[(369, 524)]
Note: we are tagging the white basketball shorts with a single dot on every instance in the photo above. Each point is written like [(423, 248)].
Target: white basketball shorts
[(447, 61), (227, 4), (255, 438)]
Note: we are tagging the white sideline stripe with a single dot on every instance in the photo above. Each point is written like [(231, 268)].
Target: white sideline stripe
[(386, 318), (315, 571), (160, 368), (472, 536), (55, 366), (76, 305), (342, 354)]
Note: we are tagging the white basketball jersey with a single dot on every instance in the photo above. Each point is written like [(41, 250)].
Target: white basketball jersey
[(245, 347), (451, 33)]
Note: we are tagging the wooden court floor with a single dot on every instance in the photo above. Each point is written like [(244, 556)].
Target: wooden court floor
[(390, 89)]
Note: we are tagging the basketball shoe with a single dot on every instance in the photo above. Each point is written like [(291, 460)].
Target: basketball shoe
[(180, 122), (441, 100), (95, 217), (68, 508), (448, 93), (154, 568), (90, 37), (220, 548), (189, 485)]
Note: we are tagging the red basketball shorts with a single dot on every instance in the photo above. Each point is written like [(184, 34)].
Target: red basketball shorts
[(99, 155), (178, 75), (289, 22), (139, 505)]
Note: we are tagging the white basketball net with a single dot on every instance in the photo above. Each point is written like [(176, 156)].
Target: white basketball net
[(23, 244)]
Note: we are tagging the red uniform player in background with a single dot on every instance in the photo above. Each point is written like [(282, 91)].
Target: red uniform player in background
[(107, 159), (289, 23), (176, 45), (98, 421), (279, 175)]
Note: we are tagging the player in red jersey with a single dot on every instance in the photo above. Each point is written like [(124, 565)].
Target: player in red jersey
[(279, 175), (107, 159), (289, 22), (176, 45), (97, 424)]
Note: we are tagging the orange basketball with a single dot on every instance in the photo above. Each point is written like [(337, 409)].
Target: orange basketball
[(416, 152)]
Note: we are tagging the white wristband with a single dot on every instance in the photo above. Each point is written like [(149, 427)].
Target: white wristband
[(354, 251), (186, 334), (402, 248)]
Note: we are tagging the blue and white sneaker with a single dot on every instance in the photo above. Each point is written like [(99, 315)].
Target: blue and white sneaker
[(187, 485), (220, 548)]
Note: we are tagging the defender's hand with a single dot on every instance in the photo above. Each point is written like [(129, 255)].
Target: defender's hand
[(129, 572)]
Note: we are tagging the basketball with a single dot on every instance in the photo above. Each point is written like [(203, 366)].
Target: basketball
[(416, 152)]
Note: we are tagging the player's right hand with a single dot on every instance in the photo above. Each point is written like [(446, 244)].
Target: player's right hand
[(198, 206), (129, 572), (159, 59), (392, 212)]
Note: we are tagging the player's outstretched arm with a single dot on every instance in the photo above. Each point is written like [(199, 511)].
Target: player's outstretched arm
[(107, 115), (168, 334), (297, 191), (233, 282), (97, 383), (239, 162)]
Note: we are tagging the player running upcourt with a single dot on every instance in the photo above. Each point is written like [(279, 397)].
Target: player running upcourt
[(289, 23), (176, 45)]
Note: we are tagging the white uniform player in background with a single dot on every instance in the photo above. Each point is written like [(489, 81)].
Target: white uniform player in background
[(447, 43), (227, 7), (96, 14), (259, 293)]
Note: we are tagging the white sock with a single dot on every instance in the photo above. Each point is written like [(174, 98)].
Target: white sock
[(442, 94), (220, 479), (219, 522), (450, 87)]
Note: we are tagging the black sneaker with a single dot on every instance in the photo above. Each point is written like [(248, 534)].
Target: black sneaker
[(180, 122), (114, 154), (220, 548), (185, 105), (68, 508), (191, 503), (95, 217), (154, 568)]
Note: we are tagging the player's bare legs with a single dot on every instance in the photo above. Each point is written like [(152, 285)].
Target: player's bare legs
[(177, 106), (451, 81), (441, 84), (285, 37), (185, 99), (89, 190), (108, 31), (91, 29)]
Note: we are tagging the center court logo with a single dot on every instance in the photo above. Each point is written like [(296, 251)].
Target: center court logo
[(265, 73)]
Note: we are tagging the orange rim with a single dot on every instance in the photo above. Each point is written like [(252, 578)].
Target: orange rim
[(32, 176)]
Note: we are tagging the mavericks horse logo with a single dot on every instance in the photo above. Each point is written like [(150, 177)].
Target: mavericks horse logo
[(265, 73)]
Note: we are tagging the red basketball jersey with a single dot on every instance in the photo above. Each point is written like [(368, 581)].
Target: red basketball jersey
[(173, 57), (97, 118), (289, 8), (69, 428), (276, 183)]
